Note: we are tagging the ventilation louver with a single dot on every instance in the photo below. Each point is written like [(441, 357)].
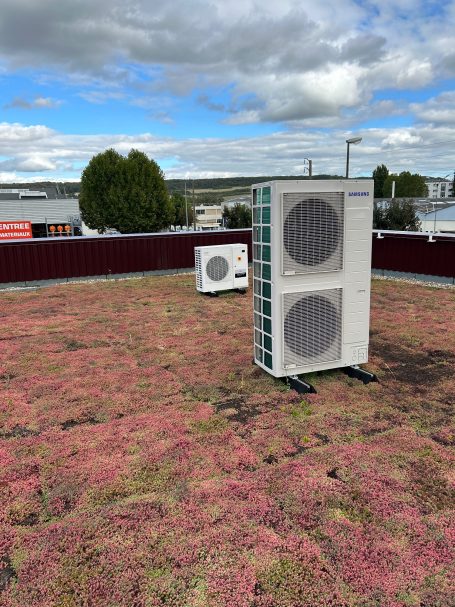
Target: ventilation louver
[(198, 268)]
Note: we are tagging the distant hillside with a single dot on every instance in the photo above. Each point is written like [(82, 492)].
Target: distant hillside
[(206, 190), (224, 184), (68, 188)]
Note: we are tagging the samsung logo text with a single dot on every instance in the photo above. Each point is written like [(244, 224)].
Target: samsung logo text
[(359, 193)]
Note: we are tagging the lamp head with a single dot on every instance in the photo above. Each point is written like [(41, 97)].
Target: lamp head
[(354, 140)]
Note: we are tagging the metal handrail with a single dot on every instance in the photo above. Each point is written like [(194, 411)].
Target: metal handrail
[(382, 233)]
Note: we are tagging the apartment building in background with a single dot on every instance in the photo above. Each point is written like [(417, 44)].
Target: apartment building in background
[(209, 217), (440, 189)]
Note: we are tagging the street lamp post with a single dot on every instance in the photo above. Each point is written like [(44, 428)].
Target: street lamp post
[(354, 141)]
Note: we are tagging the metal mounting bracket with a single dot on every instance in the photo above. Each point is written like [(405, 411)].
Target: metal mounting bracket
[(355, 371), (299, 385)]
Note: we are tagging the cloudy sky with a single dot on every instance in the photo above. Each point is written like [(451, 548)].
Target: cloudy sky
[(220, 88)]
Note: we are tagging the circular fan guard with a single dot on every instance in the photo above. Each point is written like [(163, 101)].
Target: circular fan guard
[(217, 268), (311, 326), (312, 231)]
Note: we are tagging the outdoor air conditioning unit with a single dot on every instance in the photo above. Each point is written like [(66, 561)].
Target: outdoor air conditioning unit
[(311, 268), (221, 267)]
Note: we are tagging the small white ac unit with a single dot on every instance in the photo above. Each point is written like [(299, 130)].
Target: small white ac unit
[(221, 267), (311, 274)]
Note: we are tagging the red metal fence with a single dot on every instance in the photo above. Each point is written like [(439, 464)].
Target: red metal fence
[(62, 258), (414, 253)]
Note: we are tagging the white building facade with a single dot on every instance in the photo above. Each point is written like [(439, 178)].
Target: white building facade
[(208, 217), (440, 189), (439, 220)]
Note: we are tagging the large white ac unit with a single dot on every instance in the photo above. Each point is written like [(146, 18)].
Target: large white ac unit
[(312, 270), (221, 267)]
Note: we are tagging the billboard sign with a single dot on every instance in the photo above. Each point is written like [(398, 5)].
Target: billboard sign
[(12, 230)]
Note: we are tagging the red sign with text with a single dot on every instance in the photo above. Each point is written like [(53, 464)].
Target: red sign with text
[(12, 230)]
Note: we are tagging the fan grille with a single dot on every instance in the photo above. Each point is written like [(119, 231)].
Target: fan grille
[(217, 268), (312, 327), (313, 232)]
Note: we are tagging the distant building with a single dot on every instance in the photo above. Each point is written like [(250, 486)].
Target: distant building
[(440, 189), (438, 220), (18, 194), (208, 217), (42, 212), (231, 202)]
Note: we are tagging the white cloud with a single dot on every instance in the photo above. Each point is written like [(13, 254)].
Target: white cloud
[(38, 102), (162, 117), (309, 95), (101, 97), (15, 132), (333, 54), (419, 149), (28, 164), (437, 110), (312, 68), (9, 177), (401, 137), (46, 102)]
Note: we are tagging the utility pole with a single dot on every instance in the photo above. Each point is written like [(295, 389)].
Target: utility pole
[(186, 209), (310, 167), (194, 210)]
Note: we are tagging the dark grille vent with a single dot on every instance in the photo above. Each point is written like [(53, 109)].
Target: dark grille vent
[(312, 327), (313, 228), (217, 268), (198, 264)]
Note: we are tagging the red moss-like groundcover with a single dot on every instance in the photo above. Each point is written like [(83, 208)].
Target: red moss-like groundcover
[(145, 461)]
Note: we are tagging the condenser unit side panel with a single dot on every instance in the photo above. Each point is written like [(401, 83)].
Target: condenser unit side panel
[(240, 266), (357, 273)]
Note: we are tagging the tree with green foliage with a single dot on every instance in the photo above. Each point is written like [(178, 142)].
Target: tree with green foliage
[(179, 210), (406, 185), (125, 193), (379, 220), (380, 174), (238, 216), (397, 215)]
